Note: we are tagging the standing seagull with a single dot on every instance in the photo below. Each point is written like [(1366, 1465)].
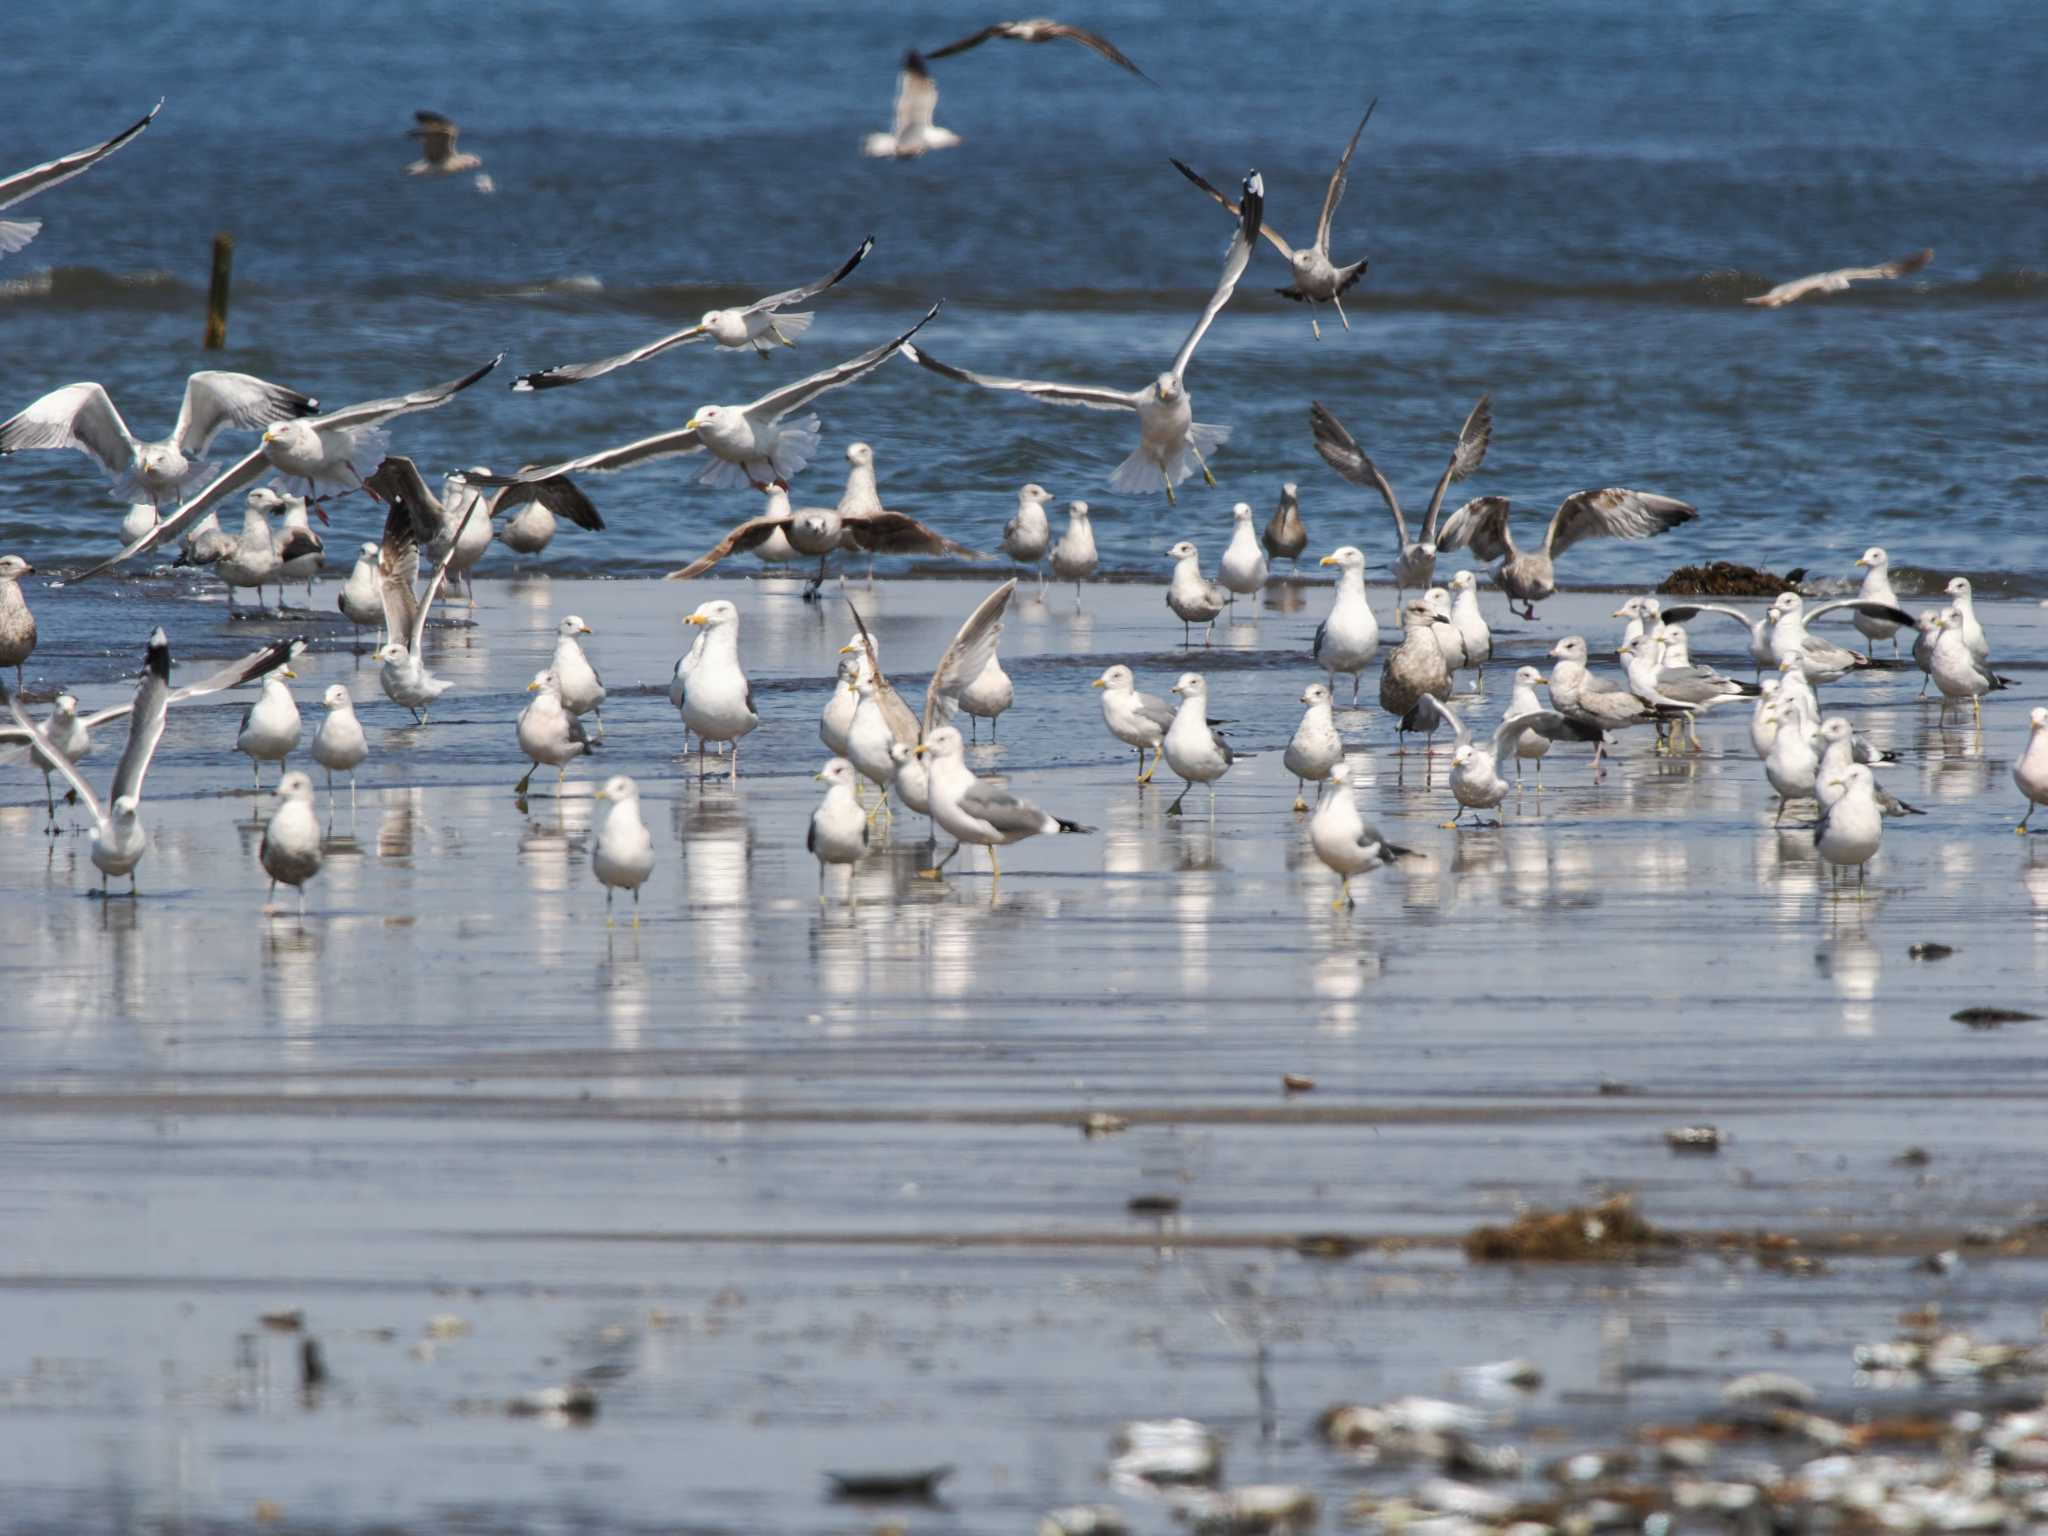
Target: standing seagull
[(623, 852), (340, 743), (1074, 558), (1192, 747), (911, 131), (1039, 30), (1344, 840), (748, 444), (320, 450), (1193, 597), (1414, 669), (457, 523), (1877, 588), (1243, 568), (1285, 537), (270, 726), (977, 812), (23, 185), (1482, 526), (1168, 434), (536, 510), (1136, 719), (1852, 825), (1317, 279), (548, 733), (582, 689), (1416, 564), (362, 596), (83, 417), (839, 827), (1316, 747), (17, 623), (1027, 535), (1347, 639), (1476, 783), (290, 850), (717, 702), (2030, 769), (758, 325), (1839, 279)]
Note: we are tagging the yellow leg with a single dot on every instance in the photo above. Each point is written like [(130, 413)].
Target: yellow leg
[(1146, 776), (1204, 463)]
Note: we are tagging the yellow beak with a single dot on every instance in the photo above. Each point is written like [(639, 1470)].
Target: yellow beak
[(1327, 560), (848, 650), (286, 672), (598, 794), (690, 425), (1544, 681), (533, 687), (695, 618), (1862, 561), (1175, 688), (920, 750), (1098, 683), (586, 630), (1621, 613), (1159, 390)]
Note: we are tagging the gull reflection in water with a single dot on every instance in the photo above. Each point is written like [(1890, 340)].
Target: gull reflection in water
[(1339, 980), (716, 841), (1855, 965), (291, 985), (398, 825), (622, 992)]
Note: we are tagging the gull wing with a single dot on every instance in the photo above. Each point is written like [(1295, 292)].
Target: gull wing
[(80, 416), (778, 403), (33, 734), (867, 643), (559, 494), (215, 401), (1870, 606), (1273, 236), (1481, 525), (1053, 394), (1157, 710), (1840, 278), (437, 134), (1341, 452), (23, 185), (754, 531), (1334, 193), (965, 659), (1041, 32), (398, 569), (419, 622), (243, 472), (372, 412), (897, 533), (243, 670), (1547, 723), (1003, 810), (1235, 259), (1685, 613), (917, 96), (1613, 513), (1466, 458), (146, 724), (1459, 730), (605, 461), (398, 481), (813, 289)]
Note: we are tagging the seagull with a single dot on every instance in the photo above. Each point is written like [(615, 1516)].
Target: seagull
[(340, 742), (757, 325), (717, 702), (23, 185), (1415, 668), (1586, 699), (1840, 748), (536, 511), (913, 781), (1073, 557), (2030, 768), (548, 733), (319, 450), (1168, 434), (270, 727), (748, 444), (1482, 526), (17, 623), (1793, 759), (1193, 597), (457, 523), (404, 675), (1416, 564), (581, 688), (1759, 629), (1448, 638), (622, 853), (82, 417), (839, 827), (119, 840), (821, 530), (1877, 588), (1027, 535), (362, 596), (1821, 660), (1192, 746), (962, 667), (977, 812), (837, 717), (1470, 623), (1965, 606), (1243, 568), (988, 696), (1344, 840), (868, 743), (1348, 638), (438, 156), (1317, 279), (290, 850), (203, 544), (1958, 673), (1136, 719), (1851, 824), (1476, 783), (912, 131), (1039, 30), (1315, 747), (301, 553), (1285, 537), (1523, 701), (1839, 279), (252, 560)]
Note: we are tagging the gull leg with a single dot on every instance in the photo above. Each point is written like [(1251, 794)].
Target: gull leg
[(2021, 829), (1146, 776), (1976, 711), (939, 868), (519, 789), (735, 774), (1315, 326), (607, 906), (1300, 793), (1338, 300), (1451, 825), (351, 794), (1775, 820), (1185, 786), (1354, 688), (1204, 463)]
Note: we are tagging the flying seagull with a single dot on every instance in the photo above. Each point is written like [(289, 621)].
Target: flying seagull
[(23, 185), (1040, 30), (1317, 279), (82, 416), (311, 448), (1482, 526), (1416, 563), (748, 444), (1839, 280), (912, 131), (438, 156), (1168, 434), (757, 326)]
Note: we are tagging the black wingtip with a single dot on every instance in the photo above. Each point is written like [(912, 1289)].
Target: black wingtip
[(1072, 826), (159, 657)]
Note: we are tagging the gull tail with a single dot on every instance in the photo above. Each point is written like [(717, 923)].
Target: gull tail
[(15, 233), (879, 146), (788, 326), (1140, 474), (1072, 826)]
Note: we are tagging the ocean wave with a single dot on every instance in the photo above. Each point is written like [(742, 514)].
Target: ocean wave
[(93, 288)]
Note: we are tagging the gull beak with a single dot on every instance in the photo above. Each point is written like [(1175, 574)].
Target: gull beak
[(1159, 390), (533, 687), (1176, 688), (1620, 613), (848, 650), (1327, 560), (598, 794), (690, 425), (694, 618), (1098, 683), (920, 750), (286, 672), (1861, 561), (1838, 783), (1544, 681), (586, 630)]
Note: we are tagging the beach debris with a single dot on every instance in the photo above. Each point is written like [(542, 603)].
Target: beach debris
[(1085, 1520), (1102, 1123), (1325, 1245), (1153, 1205), (1253, 1510), (1423, 1429), (1295, 1082), (1610, 1230), (1946, 1262), (1694, 1138), (1914, 1157), (573, 1404), (1520, 1375), (446, 1325), (1992, 1017), (1157, 1451), (268, 1512), (1769, 1389), (312, 1366), (283, 1321), (1929, 951), (1724, 578), (1614, 1088), (920, 1484)]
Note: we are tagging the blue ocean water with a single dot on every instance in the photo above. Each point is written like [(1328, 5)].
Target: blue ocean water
[(1563, 205)]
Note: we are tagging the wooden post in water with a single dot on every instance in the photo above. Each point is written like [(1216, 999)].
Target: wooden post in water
[(217, 291)]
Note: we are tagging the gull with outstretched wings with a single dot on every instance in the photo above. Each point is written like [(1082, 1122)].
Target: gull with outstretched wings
[(912, 131), (1838, 280), (23, 185), (1415, 565), (1529, 576), (1040, 29)]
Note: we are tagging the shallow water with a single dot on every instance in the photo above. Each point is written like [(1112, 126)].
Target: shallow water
[(800, 1187)]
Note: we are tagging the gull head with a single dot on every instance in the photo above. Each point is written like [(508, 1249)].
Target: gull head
[(1241, 513), (1118, 676), (1958, 587), (716, 614), (1182, 551), (368, 551), (394, 653), (618, 788), (1463, 755), (65, 704), (1167, 388), (859, 453), (1789, 665), (1314, 694), (713, 320), (264, 499), (900, 752), (1439, 601), (1874, 558), (1350, 557), (126, 807), (1767, 688), (1034, 492), (1570, 648), (840, 771), (1077, 511), (708, 418), (1835, 728), (294, 786), (1928, 622), (572, 626), (849, 673), (13, 568), (543, 682), (814, 524), (1530, 677), (1192, 685), (1287, 490), (2038, 718), (1464, 581), (1340, 773), (1632, 609), (336, 697), (943, 743)]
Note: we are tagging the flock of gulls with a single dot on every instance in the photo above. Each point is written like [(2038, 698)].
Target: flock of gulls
[(306, 457)]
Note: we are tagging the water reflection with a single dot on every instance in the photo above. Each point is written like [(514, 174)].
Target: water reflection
[(716, 841), (291, 983), (623, 993)]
